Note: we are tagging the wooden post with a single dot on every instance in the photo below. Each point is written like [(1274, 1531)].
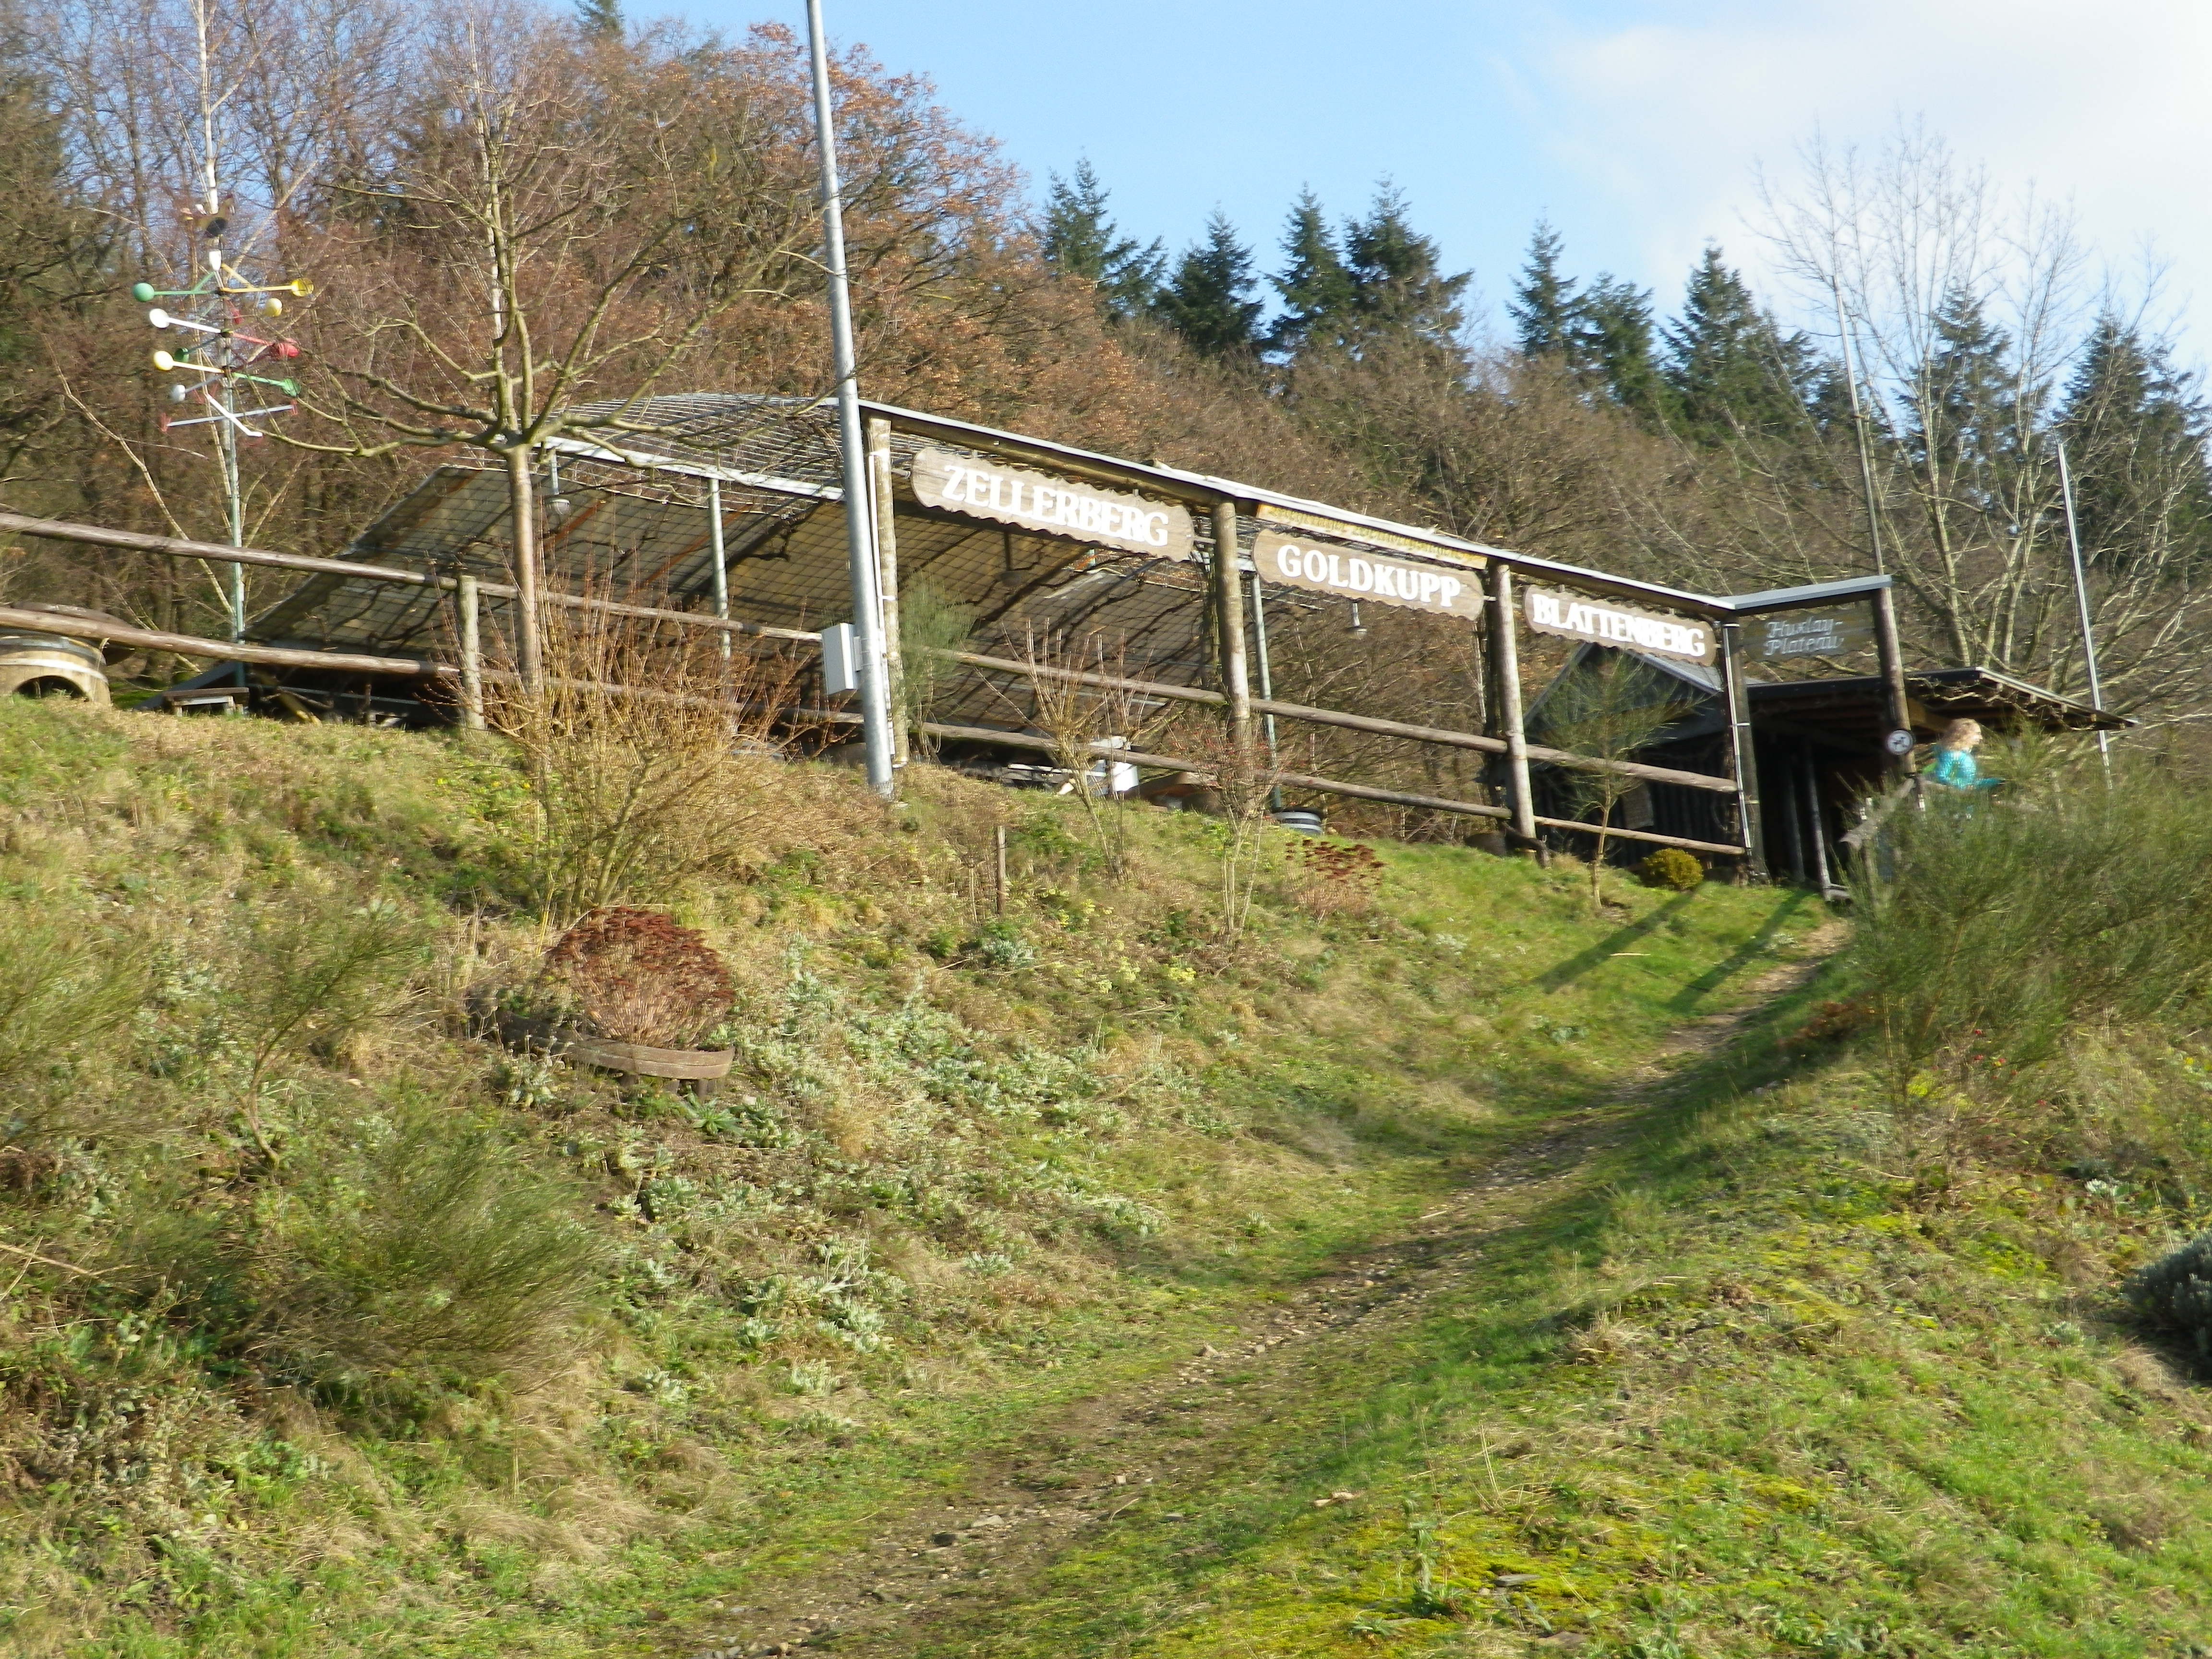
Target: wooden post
[(1742, 756), (472, 683), (1793, 831), (522, 508), (1229, 610), (722, 558), (1895, 708), (879, 495), (1821, 878), (1505, 668)]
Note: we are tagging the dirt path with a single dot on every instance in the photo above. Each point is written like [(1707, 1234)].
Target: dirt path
[(1084, 1467)]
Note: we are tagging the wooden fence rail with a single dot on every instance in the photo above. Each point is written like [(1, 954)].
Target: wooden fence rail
[(471, 673)]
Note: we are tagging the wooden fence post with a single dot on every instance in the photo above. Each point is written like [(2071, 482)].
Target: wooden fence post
[(1891, 656), (720, 555), (879, 495), (1505, 660), (1228, 612), (1742, 752), (472, 682)]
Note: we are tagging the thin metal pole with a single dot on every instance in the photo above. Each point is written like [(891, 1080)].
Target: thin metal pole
[(859, 532), (472, 699), (2082, 601), (1506, 652), (721, 558), (1858, 424), (1267, 674)]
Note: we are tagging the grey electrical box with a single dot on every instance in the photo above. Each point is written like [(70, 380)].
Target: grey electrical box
[(841, 659)]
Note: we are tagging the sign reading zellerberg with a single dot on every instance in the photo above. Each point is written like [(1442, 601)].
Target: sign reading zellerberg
[(1050, 506), (1811, 634), (1297, 562), (1550, 611)]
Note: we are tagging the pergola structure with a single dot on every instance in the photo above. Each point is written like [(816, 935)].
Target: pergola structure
[(726, 512)]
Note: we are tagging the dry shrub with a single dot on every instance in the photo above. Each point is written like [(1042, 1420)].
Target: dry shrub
[(1336, 878), (637, 976), (637, 792)]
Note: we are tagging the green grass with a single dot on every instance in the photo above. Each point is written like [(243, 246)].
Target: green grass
[(969, 1167), (1771, 1382)]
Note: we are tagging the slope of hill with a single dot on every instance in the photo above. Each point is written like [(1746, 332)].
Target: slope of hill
[(1437, 1267)]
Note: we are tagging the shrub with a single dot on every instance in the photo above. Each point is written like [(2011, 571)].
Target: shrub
[(58, 991), (637, 976), (2001, 929), (1673, 867), (2174, 1293), (432, 1247)]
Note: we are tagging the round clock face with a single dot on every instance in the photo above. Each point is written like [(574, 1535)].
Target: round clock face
[(1899, 743)]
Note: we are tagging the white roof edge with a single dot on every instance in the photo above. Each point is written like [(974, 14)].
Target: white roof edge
[(1783, 599)]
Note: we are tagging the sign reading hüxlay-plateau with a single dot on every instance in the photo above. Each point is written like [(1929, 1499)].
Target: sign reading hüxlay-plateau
[(1550, 611), (1296, 563), (1053, 506)]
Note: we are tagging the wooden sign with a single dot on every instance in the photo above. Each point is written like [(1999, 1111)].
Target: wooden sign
[(1550, 611), (1052, 507), (1298, 563), (1810, 633)]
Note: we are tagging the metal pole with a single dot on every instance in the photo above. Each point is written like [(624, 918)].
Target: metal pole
[(1858, 424), (1229, 610), (2082, 600), (1266, 675), (472, 701), (1743, 754), (721, 558), (1506, 655), (860, 539)]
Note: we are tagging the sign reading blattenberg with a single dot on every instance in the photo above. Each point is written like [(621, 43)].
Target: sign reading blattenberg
[(1053, 507), (1550, 611), (1811, 634), (1339, 570)]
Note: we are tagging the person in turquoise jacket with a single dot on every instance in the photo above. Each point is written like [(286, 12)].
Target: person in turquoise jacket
[(1955, 767)]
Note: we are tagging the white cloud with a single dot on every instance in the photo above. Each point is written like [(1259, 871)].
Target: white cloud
[(2108, 106)]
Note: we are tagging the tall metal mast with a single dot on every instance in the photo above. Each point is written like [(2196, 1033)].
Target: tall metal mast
[(860, 526)]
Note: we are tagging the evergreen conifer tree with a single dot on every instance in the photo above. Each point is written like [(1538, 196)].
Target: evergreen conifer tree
[(602, 19), (1209, 299), (1081, 241), (1731, 369), (1402, 295), (2135, 429), (1546, 311), (1318, 293), (1612, 345)]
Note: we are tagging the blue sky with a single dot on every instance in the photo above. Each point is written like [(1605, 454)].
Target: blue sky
[(1639, 130)]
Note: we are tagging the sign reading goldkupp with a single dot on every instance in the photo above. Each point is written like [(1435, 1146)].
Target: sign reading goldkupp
[(1550, 611), (1297, 562), (1050, 506)]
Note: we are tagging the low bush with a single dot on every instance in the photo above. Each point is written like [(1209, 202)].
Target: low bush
[(2174, 1293), (58, 992), (1675, 868), (430, 1247)]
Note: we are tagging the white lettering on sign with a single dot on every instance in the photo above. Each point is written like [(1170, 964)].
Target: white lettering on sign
[(1339, 570), (1059, 506), (1550, 611), (1811, 634)]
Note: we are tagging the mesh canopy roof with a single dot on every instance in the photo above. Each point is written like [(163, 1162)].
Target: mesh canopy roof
[(627, 516)]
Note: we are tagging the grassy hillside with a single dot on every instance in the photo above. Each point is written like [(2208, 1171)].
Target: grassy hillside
[(332, 1326)]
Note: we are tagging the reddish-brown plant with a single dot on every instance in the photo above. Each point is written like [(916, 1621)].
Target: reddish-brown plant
[(637, 976)]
